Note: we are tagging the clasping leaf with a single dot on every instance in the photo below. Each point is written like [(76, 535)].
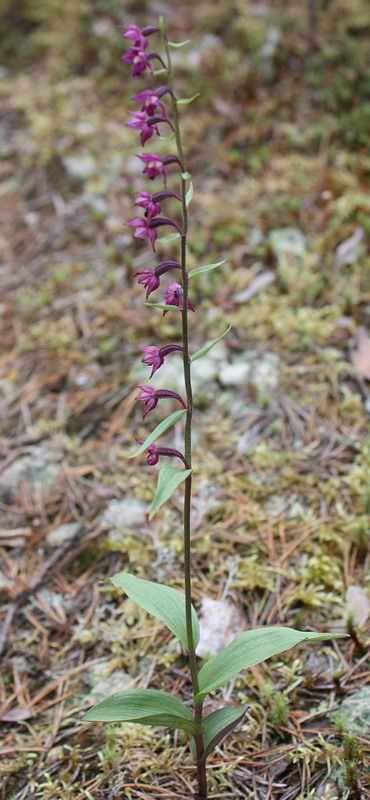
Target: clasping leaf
[(164, 602), (215, 727)]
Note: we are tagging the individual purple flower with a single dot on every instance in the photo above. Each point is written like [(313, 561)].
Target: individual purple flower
[(139, 59), (149, 279), (150, 397), (156, 165), (155, 452), (152, 358), (136, 34), (144, 231), (141, 122), (155, 356), (175, 297), (147, 201), (149, 102)]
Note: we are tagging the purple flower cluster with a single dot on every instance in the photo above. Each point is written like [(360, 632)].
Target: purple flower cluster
[(153, 112)]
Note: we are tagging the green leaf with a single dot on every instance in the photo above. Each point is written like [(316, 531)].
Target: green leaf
[(206, 268), (146, 706), (161, 428), (209, 346), (185, 100), (179, 44), (159, 71), (185, 175), (170, 238), (163, 602), (248, 649), (189, 195), (162, 306), (169, 478), (161, 23), (215, 727)]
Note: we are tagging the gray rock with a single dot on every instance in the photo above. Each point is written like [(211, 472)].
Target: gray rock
[(124, 514), (356, 710), (61, 534), (80, 167), (101, 685), (288, 240), (39, 467)]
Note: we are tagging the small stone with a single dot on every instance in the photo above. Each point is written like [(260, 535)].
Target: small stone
[(80, 167), (102, 684), (125, 514), (39, 467), (356, 710), (61, 534), (220, 622), (234, 374), (288, 240)]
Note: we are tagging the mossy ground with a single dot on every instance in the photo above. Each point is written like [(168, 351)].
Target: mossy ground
[(278, 139)]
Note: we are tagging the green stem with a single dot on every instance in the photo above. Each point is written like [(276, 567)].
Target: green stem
[(201, 767)]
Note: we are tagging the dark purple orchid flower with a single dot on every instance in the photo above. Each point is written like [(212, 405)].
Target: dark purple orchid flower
[(144, 231), (151, 277), (155, 452), (150, 397), (138, 35), (175, 297), (146, 228), (156, 165), (140, 122), (149, 102), (155, 356), (139, 59), (147, 201)]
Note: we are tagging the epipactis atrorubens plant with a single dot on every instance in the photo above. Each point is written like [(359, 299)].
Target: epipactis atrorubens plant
[(159, 109)]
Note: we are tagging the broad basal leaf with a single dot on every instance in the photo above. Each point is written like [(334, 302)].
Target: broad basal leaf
[(206, 268), (163, 602), (215, 727), (209, 346), (161, 428), (248, 649), (169, 478), (146, 706)]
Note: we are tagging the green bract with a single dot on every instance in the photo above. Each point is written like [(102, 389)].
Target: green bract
[(161, 428), (169, 478), (206, 268), (209, 346)]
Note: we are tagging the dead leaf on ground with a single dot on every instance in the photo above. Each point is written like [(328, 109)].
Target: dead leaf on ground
[(347, 251), (361, 357)]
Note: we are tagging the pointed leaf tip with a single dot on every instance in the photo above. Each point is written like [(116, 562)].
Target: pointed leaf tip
[(161, 428), (164, 602), (209, 346), (249, 649), (169, 478)]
